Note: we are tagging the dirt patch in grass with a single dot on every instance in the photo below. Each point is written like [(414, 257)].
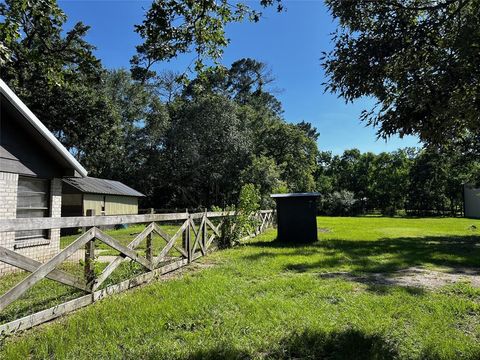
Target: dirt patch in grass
[(415, 277)]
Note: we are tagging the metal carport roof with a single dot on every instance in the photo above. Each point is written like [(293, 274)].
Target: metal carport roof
[(93, 185)]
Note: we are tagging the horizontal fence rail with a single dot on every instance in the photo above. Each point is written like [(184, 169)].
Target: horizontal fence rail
[(192, 240)]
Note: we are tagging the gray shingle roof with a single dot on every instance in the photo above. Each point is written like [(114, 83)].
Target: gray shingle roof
[(101, 186)]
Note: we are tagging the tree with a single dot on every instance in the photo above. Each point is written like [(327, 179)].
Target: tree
[(266, 175), (56, 74), (143, 122), (82, 119), (180, 145), (347, 170), (13, 22), (40, 48), (437, 180), (427, 191), (246, 82), (309, 130), (173, 27), (339, 203), (294, 152), (168, 85), (206, 150), (226, 131), (391, 181), (418, 58), (323, 175), (461, 170)]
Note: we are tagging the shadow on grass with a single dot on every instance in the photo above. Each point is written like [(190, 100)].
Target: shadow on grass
[(383, 255), (380, 284), (379, 264), (349, 344)]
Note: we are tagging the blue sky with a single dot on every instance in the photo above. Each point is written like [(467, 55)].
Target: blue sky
[(291, 44)]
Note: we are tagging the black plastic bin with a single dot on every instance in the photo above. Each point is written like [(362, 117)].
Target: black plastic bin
[(296, 217)]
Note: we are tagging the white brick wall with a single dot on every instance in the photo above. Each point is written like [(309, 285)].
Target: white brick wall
[(8, 205), (55, 211), (8, 209)]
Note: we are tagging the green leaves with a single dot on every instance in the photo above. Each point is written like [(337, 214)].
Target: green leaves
[(422, 182), (244, 222), (54, 71), (418, 58), (174, 27), (31, 33)]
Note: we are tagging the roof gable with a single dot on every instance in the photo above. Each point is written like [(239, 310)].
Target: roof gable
[(49, 138)]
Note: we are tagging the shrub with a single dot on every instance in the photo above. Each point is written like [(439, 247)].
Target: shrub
[(339, 203), (244, 221)]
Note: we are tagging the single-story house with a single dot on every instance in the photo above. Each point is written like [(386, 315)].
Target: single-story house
[(471, 201), (89, 196), (32, 164)]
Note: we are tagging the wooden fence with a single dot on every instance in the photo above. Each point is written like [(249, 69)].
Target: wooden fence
[(197, 233)]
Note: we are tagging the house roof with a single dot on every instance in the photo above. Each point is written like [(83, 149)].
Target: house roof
[(49, 138), (93, 185)]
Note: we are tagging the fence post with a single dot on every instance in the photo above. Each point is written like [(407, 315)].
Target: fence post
[(204, 233), (186, 239), (89, 270), (148, 250), (189, 239)]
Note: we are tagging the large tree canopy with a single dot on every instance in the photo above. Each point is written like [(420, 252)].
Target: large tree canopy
[(180, 145), (56, 73), (419, 58), (196, 144), (173, 27), (35, 43)]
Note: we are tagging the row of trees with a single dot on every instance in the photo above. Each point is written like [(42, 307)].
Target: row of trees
[(418, 58), (183, 144), (196, 142), (422, 182), (198, 145)]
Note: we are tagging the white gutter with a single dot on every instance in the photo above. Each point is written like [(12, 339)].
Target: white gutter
[(38, 125)]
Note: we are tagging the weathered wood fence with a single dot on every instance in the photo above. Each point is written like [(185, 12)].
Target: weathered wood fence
[(193, 239)]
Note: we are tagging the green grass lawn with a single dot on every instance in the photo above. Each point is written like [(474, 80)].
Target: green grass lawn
[(269, 300)]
